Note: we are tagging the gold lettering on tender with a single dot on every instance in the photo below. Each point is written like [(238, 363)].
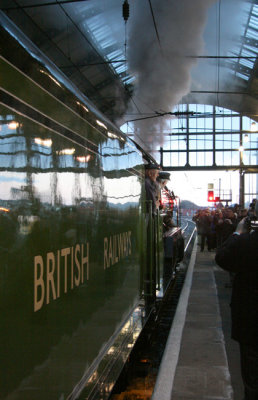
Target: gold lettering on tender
[(120, 246), (115, 239), (84, 260), (129, 243), (110, 253), (65, 253), (71, 267), (88, 261), (115, 258), (58, 273), (47, 281), (38, 283), (125, 243), (77, 263), (50, 276), (113, 250), (106, 263)]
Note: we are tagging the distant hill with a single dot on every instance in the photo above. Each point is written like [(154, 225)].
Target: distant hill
[(189, 204)]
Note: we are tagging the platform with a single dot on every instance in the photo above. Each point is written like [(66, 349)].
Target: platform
[(200, 360)]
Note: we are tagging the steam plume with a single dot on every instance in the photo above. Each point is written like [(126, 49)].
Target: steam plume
[(161, 66)]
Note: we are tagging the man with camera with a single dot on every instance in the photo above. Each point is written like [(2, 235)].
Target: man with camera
[(239, 254)]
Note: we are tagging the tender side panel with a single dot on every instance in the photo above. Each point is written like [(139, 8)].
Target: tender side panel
[(70, 240)]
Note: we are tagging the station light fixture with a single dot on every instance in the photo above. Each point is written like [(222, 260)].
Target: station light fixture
[(246, 138), (83, 159), (13, 125), (66, 152), (43, 142), (253, 127)]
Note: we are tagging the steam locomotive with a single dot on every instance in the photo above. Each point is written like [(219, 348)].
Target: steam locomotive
[(75, 275)]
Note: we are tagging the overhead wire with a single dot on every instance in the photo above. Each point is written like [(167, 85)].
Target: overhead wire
[(155, 26), (50, 3), (225, 57)]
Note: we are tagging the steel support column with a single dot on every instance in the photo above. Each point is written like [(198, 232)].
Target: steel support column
[(241, 188)]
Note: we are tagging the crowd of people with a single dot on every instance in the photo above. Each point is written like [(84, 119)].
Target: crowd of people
[(215, 226), (233, 233)]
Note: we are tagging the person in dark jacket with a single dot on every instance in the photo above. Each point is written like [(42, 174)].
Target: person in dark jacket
[(204, 228), (239, 254), (151, 186)]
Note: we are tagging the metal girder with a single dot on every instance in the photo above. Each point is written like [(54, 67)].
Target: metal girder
[(110, 49), (242, 69), (250, 42), (50, 3), (251, 169)]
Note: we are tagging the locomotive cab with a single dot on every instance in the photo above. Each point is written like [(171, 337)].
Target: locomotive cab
[(165, 242)]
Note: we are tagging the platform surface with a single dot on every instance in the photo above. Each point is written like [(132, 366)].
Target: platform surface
[(201, 361)]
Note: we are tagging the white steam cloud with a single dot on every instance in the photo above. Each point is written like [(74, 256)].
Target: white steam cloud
[(162, 67)]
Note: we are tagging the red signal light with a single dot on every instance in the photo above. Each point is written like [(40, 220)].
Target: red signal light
[(210, 195)]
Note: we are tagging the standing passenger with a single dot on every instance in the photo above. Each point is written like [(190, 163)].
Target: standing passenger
[(162, 180), (239, 254), (151, 173), (205, 229)]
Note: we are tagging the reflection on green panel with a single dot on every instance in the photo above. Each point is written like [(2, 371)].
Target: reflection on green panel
[(70, 257)]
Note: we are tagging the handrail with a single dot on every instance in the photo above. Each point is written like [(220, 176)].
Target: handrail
[(189, 240)]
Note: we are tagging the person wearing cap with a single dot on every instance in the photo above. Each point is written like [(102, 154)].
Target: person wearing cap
[(162, 180), (151, 174), (239, 254)]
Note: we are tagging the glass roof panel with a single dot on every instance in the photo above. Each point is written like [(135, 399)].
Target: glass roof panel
[(247, 63), (99, 23), (245, 77), (253, 22), (250, 31)]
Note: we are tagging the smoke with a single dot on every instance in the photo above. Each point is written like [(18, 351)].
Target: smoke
[(161, 67)]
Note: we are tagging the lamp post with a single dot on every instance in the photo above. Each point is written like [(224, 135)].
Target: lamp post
[(241, 171)]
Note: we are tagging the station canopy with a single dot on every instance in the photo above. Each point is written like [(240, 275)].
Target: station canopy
[(145, 63)]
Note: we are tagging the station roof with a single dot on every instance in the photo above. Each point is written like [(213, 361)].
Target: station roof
[(108, 57)]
